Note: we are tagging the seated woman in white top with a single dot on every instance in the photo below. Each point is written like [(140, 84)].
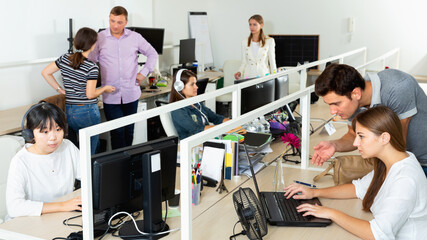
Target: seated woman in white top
[(44, 169), (395, 191)]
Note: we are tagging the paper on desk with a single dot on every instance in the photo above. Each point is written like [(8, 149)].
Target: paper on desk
[(212, 162), (266, 149), (257, 167)]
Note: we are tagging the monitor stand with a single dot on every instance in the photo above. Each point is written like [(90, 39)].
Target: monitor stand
[(128, 229), (152, 202)]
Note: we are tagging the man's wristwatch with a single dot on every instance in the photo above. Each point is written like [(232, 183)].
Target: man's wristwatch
[(59, 87)]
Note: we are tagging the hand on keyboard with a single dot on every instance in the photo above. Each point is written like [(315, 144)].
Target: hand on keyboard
[(298, 191), (315, 210)]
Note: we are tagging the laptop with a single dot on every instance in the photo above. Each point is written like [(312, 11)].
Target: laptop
[(281, 211)]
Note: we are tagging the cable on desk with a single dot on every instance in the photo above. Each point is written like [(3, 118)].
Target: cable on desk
[(65, 222), (234, 228), (136, 227)]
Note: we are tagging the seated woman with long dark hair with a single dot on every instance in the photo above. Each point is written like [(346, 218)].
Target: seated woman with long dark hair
[(195, 118), (395, 191)]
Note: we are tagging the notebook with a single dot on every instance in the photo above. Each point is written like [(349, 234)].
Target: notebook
[(282, 212)]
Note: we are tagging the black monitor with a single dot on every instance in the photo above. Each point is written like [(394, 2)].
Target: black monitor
[(134, 178), (154, 36), (281, 88), (256, 96), (187, 51)]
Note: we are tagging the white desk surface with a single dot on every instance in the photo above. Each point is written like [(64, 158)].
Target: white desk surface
[(215, 216)]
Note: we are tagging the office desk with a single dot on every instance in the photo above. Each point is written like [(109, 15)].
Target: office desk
[(10, 120), (218, 221), (215, 217)]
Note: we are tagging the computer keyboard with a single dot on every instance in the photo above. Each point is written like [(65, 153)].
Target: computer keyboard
[(288, 208)]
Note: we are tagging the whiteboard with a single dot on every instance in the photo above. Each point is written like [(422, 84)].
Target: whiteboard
[(198, 22)]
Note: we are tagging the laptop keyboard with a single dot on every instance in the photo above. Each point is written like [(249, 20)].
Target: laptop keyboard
[(288, 208)]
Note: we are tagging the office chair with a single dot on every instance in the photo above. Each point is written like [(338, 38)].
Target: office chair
[(9, 146), (166, 120), (201, 84)]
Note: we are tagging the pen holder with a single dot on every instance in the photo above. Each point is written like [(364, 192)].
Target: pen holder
[(195, 193)]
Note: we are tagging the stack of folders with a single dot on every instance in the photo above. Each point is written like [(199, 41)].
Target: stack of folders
[(225, 158), (227, 154), (257, 145)]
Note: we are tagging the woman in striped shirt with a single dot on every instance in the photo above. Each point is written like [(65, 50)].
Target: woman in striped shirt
[(79, 76)]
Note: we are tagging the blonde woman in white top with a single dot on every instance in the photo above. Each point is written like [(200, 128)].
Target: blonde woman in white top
[(395, 191), (45, 168), (258, 52)]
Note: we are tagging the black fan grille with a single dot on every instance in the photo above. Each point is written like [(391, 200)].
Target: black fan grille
[(250, 214)]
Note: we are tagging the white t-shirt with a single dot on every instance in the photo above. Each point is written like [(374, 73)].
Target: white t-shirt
[(34, 179), (255, 48), (400, 207)]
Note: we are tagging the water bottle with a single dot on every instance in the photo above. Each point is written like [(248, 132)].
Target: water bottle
[(259, 126), (265, 124)]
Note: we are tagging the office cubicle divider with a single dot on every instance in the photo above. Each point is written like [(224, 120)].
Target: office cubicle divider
[(188, 143)]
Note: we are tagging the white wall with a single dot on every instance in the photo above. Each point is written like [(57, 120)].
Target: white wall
[(34, 29), (39, 28), (380, 25)]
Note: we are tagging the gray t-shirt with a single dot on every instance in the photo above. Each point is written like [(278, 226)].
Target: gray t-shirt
[(402, 93)]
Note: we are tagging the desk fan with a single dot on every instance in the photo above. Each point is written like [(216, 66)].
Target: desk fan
[(250, 214)]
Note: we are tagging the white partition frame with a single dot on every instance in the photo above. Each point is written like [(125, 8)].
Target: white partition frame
[(188, 143)]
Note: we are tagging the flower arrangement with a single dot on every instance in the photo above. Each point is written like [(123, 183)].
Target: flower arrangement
[(290, 140)]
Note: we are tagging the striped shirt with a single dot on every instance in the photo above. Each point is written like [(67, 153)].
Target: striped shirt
[(75, 79)]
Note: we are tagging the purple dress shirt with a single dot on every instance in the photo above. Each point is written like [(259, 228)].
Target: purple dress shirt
[(118, 59)]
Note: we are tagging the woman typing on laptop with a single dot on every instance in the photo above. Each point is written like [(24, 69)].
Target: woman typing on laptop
[(395, 191)]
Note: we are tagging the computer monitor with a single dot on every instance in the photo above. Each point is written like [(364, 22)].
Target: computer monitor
[(281, 87), (256, 96), (187, 51), (154, 36), (134, 178)]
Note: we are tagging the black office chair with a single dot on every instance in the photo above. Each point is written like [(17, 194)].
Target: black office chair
[(201, 84)]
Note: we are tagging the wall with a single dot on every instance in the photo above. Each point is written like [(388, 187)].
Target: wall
[(379, 25), (38, 29)]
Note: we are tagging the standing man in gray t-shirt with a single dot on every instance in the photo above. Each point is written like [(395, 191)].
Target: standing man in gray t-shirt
[(347, 93)]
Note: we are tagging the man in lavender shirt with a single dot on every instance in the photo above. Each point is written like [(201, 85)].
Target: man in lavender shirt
[(117, 51)]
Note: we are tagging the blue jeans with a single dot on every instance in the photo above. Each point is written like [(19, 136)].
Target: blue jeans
[(84, 116), (121, 137)]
